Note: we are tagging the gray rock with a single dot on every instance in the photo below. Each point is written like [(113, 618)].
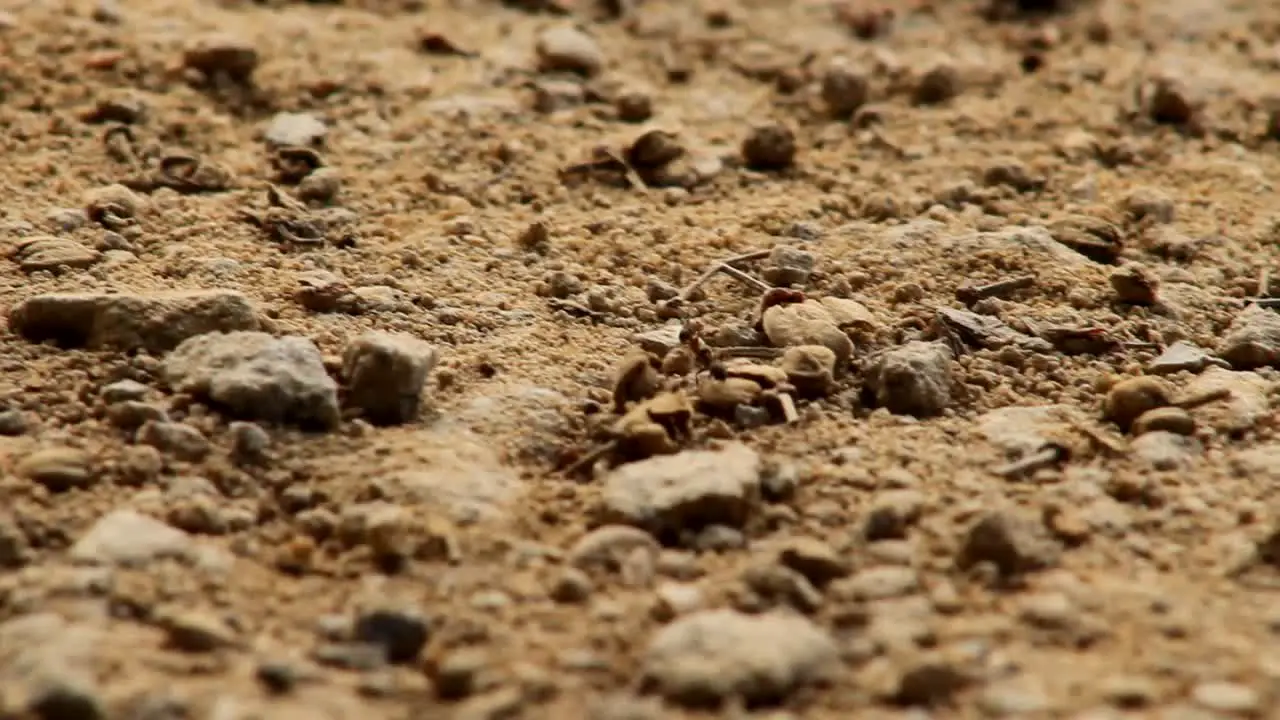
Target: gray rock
[(686, 491), (1165, 450), (13, 423), (125, 537), (565, 48), (386, 374), (295, 129), (67, 219), (1253, 340), (124, 390), (914, 379), (256, 376), (50, 253), (711, 656), (249, 442), (132, 414), (156, 322), (789, 266), (1181, 356), (661, 340), (178, 439)]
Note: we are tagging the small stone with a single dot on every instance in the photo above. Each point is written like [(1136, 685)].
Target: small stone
[(458, 674), (810, 368), (1048, 611), (715, 655), (891, 514), (1132, 397), (178, 439), (692, 489), (937, 85), (608, 547), (288, 129), (13, 423), (196, 632), (565, 48), (1149, 204), (844, 90), (719, 539), (277, 677), (673, 600), (1227, 697), (14, 548), (1014, 699), (788, 266), (66, 698), (226, 55), (124, 390), (1134, 284), (133, 414), (255, 375), (769, 584), (769, 147), (50, 253), (1164, 450), (571, 586), (633, 106), (401, 634), (1183, 356), (1013, 544), (125, 537), (1252, 340), (113, 205), (914, 379), (249, 442), (1129, 692), (1167, 100), (1011, 173), (155, 322), (321, 186), (386, 374), (879, 583), (58, 468), (1167, 419), (814, 559), (67, 220), (806, 323), (929, 682)]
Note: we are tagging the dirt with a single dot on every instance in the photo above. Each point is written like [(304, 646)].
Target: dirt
[(638, 359)]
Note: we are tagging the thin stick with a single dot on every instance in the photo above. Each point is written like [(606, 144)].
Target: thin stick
[(1030, 463), (1203, 398), (741, 276), (719, 266), (743, 351), (592, 456), (789, 414), (970, 294)]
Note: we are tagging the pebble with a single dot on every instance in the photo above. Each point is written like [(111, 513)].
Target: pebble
[(249, 442), (844, 90), (53, 254), (1129, 692), (769, 147), (814, 559), (1183, 356), (565, 48), (58, 468), (1227, 697), (126, 537), (937, 85), (196, 632), (132, 414), (1012, 543), (460, 673), (571, 586), (788, 266), (609, 546), (1252, 340), (400, 634), (1164, 450), (125, 321), (1166, 419), (1128, 399), (914, 379), (808, 323), (716, 655), (1147, 203), (879, 583), (929, 681), (124, 390), (288, 129), (1134, 284), (13, 423), (256, 376), (320, 186), (892, 513), (674, 599), (178, 439), (667, 494), (386, 374), (222, 54)]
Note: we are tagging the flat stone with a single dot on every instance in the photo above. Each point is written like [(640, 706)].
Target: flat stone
[(568, 49), (1248, 404), (711, 656), (156, 322), (1227, 697), (1183, 356), (295, 129), (126, 537), (57, 468), (256, 376), (1021, 430), (51, 253), (914, 379), (692, 489), (661, 340)]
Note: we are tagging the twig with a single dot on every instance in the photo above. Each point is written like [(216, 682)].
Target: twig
[(1030, 463), (1203, 398), (788, 405), (1265, 302), (591, 457), (743, 351), (737, 274), (970, 294), (1100, 438), (720, 266)]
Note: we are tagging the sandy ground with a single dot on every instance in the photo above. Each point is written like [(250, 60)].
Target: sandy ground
[(377, 359)]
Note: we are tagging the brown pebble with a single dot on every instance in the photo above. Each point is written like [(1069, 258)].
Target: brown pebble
[(226, 55), (636, 379), (1129, 399), (1167, 419), (810, 368), (633, 107), (844, 90), (1135, 284), (937, 85), (769, 147)]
